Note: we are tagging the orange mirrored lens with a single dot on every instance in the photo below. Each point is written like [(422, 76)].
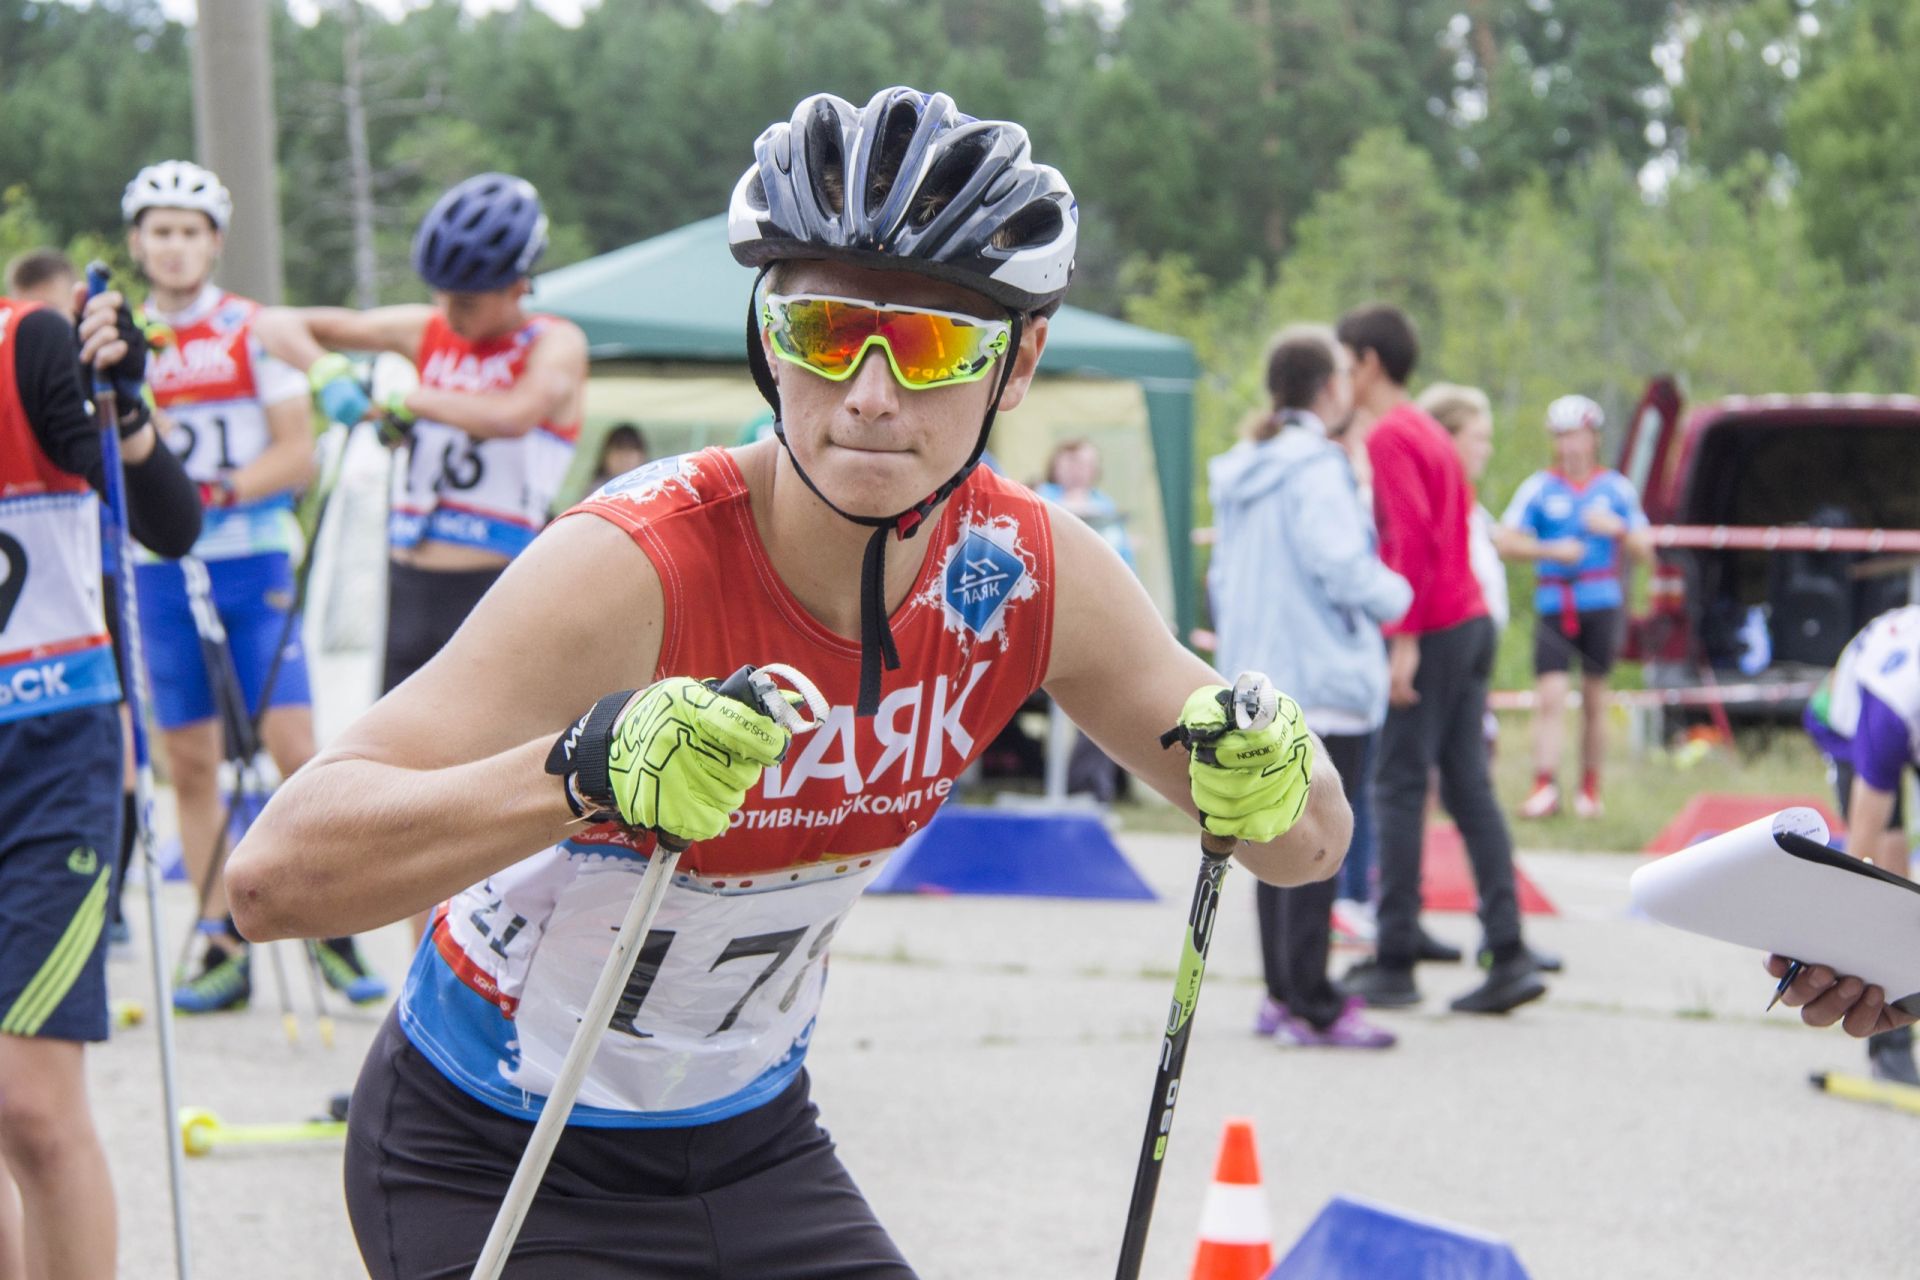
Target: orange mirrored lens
[(927, 348)]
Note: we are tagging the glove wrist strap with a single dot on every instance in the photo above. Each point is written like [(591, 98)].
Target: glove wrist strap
[(579, 760)]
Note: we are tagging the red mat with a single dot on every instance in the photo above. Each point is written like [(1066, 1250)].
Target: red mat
[(1446, 879), (1712, 812)]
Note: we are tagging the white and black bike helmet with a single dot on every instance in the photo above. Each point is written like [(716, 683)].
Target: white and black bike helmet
[(177, 184), (906, 183)]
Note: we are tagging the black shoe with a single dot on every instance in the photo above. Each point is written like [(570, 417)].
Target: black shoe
[(1891, 1055), (1433, 951), (1544, 961), (1508, 986), (1381, 986)]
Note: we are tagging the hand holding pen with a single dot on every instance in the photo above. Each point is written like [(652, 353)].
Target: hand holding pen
[(1825, 997)]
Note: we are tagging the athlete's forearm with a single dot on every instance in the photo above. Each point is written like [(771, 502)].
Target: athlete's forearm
[(285, 464), (1314, 847), (348, 844), (484, 417)]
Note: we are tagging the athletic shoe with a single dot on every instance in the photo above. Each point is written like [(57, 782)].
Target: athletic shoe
[(1508, 986), (1544, 961), (1379, 986), (1891, 1053), (1354, 922), (1272, 1014), (226, 983), (1543, 803), (1586, 804), (346, 972), (1433, 951), (1350, 1030)]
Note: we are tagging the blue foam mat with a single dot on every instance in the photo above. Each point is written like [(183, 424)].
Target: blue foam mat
[(1357, 1240), (990, 851)]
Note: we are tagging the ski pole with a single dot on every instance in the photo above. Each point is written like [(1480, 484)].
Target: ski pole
[(133, 677), (1252, 704), (756, 689)]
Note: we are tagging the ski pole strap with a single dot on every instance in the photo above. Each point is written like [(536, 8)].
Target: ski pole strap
[(579, 760)]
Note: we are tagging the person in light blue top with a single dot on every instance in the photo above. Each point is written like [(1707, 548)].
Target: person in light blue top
[(1575, 519), (1073, 482), (1298, 587)]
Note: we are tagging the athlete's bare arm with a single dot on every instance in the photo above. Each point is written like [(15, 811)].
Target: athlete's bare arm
[(301, 335), (287, 462), (443, 782), (1118, 673), (552, 389)]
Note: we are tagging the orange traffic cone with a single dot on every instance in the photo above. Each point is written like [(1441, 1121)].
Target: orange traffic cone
[(1236, 1238)]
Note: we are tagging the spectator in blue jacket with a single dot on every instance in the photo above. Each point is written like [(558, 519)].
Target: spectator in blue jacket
[(1300, 592)]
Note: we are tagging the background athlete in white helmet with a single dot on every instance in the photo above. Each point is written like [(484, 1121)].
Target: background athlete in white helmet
[(239, 421), (915, 255), (1576, 519)]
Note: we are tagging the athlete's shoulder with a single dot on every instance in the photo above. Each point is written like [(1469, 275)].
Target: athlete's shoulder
[(667, 487)]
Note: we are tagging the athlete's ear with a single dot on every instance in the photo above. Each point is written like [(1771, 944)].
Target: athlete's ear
[(1033, 340)]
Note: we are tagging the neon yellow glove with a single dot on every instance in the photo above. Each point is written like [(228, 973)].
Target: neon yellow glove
[(1248, 783), (676, 758)]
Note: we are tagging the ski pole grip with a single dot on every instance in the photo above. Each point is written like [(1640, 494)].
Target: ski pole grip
[(98, 274)]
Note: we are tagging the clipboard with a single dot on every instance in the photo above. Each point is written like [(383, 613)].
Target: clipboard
[(1775, 885)]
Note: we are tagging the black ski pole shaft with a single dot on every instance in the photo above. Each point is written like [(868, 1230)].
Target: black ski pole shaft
[(1173, 1050)]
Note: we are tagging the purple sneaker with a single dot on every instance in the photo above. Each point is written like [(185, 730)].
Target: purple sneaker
[(1350, 1030), (1271, 1017)]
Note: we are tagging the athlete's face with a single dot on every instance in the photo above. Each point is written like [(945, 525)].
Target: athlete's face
[(176, 248), (873, 446), (478, 317), (1474, 442), (1576, 450)]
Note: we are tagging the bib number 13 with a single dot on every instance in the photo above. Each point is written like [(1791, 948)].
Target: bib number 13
[(772, 949)]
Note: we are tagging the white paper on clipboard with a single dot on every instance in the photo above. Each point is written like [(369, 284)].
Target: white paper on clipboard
[(1774, 885)]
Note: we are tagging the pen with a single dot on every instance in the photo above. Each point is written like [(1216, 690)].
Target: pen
[(1793, 971)]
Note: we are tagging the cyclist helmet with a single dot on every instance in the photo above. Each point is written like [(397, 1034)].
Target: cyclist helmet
[(177, 184), (482, 235), (1570, 413)]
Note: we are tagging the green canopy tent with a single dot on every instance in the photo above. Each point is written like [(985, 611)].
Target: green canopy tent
[(665, 317)]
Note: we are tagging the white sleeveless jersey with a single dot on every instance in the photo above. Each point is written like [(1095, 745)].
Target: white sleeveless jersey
[(1884, 659), (213, 382), (54, 651)]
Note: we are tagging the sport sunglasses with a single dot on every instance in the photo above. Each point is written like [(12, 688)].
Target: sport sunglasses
[(926, 348)]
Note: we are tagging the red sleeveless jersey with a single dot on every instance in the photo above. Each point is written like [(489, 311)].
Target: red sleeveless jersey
[(973, 637)]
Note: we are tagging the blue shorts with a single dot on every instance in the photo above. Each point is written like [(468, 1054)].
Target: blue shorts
[(59, 835), (251, 594)]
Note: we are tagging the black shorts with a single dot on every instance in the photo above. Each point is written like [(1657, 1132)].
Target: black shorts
[(1840, 773), (1595, 642), (758, 1196), (60, 816), (424, 608)]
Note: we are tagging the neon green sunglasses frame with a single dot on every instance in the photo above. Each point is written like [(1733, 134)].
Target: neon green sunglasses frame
[(994, 347)]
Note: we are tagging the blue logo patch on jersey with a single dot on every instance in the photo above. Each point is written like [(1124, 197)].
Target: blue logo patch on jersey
[(979, 578)]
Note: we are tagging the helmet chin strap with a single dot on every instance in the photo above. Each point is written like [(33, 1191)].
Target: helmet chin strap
[(876, 631)]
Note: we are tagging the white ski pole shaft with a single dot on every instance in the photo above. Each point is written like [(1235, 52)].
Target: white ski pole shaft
[(586, 1041), (756, 689)]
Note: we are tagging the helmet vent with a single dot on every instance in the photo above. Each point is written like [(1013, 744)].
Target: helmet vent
[(890, 151), (1039, 223), (757, 192), (826, 160), (950, 173)]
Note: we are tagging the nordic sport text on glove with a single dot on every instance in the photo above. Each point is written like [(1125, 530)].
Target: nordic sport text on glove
[(1249, 783), (676, 758)]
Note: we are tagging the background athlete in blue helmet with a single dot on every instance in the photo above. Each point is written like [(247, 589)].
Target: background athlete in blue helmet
[(489, 432), (912, 259)]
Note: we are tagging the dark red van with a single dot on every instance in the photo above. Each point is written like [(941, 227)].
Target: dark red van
[(1759, 616)]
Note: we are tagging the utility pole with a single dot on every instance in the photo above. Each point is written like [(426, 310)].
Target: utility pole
[(233, 133)]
